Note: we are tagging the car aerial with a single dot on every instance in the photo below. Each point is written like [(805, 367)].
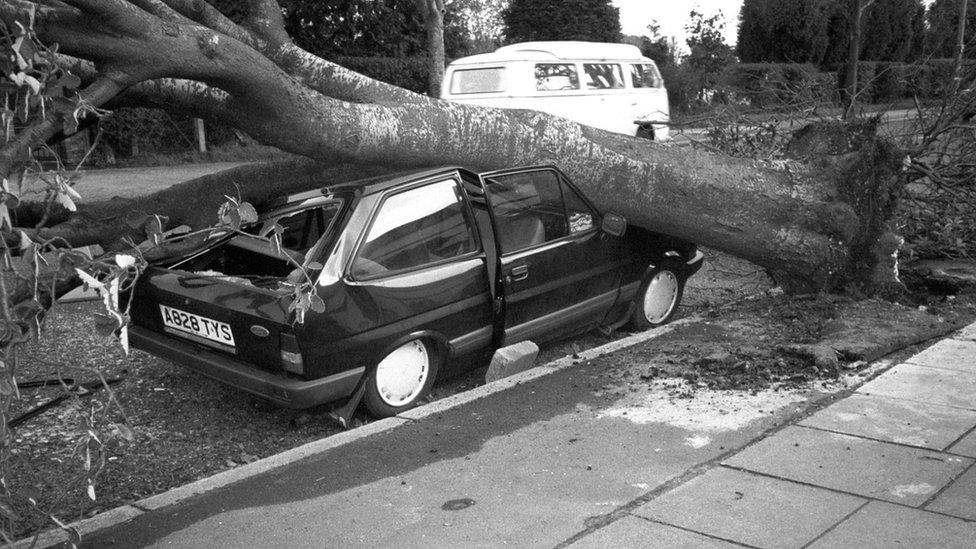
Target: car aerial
[(415, 272)]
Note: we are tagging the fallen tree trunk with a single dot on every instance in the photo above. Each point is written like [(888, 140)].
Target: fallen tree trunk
[(815, 222)]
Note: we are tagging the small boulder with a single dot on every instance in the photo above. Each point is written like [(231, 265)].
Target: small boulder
[(511, 360)]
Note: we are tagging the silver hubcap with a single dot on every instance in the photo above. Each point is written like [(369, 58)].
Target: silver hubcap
[(660, 297), (402, 374)]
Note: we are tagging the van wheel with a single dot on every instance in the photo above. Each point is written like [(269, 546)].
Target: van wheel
[(658, 297), (399, 381)]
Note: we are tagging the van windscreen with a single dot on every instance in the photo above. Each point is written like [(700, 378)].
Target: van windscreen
[(646, 75), (486, 80)]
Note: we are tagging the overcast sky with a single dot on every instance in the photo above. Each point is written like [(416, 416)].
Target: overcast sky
[(672, 15)]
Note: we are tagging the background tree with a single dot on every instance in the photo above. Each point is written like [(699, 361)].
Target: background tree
[(482, 22), (858, 8), (432, 14), (783, 31), (709, 53), (592, 20), (818, 31), (943, 20), (662, 49), (897, 32)]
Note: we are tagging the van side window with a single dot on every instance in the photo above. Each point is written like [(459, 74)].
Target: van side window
[(646, 75), (603, 76), (487, 80), (555, 77)]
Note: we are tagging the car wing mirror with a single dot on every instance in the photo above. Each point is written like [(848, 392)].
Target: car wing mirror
[(614, 224)]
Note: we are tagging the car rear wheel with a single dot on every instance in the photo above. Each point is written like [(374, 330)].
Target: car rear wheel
[(401, 379), (659, 296)]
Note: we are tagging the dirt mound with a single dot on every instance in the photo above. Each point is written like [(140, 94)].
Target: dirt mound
[(782, 341)]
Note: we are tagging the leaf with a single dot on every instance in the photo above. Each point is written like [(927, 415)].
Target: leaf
[(125, 261), (105, 325), (70, 191), (5, 217), (124, 339), (89, 280), (125, 431), (66, 201), (314, 266), (25, 241), (6, 388), (247, 212), (317, 304), (91, 491), (33, 83)]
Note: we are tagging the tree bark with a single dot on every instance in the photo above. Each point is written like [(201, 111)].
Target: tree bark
[(960, 47), (853, 56), (432, 12), (816, 222)]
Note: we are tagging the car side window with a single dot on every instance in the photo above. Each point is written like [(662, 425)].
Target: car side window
[(535, 207), (578, 212), (414, 228)]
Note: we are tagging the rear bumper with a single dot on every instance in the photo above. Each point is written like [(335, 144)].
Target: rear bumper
[(283, 391)]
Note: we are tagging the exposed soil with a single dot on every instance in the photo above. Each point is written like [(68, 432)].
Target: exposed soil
[(162, 426)]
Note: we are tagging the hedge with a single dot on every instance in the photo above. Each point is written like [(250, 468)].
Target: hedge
[(885, 82), (767, 85)]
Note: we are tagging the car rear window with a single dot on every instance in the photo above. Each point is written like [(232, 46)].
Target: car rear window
[(300, 228), (486, 80)]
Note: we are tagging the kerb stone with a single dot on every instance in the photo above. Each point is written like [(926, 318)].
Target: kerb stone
[(512, 360)]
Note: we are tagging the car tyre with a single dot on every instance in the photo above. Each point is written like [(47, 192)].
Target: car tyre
[(659, 296), (401, 379)]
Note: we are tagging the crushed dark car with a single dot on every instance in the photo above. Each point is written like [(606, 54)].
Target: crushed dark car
[(412, 272)]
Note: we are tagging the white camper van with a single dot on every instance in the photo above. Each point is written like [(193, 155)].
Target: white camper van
[(608, 86)]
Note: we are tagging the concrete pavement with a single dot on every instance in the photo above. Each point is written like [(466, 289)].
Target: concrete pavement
[(563, 457)]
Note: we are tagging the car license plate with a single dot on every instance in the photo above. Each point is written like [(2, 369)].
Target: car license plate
[(183, 322)]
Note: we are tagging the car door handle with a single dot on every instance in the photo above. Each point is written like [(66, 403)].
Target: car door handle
[(520, 272)]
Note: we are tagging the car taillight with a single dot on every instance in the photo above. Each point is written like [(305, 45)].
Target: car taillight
[(291, 355)]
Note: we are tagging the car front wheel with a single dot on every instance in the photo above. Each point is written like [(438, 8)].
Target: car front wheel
[(401, 379), (658, 297)]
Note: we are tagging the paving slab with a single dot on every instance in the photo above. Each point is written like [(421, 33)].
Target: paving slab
[(925, 384), (751, 509), (966, 446), (959, 499), (883, 526), (856, 465), (895, 420), (951, 354), (638, 532), (969, 332)]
